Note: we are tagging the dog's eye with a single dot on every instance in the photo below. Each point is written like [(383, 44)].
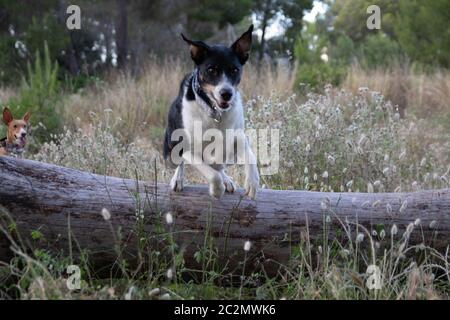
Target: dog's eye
[(234, 70), (212, 70), (15, 126), (24, 126)]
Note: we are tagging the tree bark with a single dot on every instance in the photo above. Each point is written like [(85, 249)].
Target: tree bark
[(49, 198)]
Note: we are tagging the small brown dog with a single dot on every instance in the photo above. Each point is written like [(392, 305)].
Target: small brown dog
[(16, 138)]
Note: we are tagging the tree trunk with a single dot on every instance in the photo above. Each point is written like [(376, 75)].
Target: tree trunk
[(49, 198), (122, 33), (264, 28)]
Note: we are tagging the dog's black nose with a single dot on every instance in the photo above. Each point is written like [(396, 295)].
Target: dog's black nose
[(226, 94), (23, 134)]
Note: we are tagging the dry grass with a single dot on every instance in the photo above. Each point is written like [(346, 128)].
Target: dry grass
[(419, 93)]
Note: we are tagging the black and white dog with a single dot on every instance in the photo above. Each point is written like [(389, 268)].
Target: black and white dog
[(209, 99)]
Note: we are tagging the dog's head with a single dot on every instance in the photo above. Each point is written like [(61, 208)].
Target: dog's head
[(220, 67), (17, 129)]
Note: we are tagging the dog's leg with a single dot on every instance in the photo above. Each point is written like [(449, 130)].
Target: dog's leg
[(176, 183), (214, 178), (228, 182), (251, 172)]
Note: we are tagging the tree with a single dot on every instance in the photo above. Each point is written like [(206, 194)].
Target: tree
[(289, 11), (423, 31)]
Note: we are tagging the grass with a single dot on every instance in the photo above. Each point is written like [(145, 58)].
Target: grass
[(343, 139)]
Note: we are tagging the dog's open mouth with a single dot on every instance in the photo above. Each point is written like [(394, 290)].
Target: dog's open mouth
[(20, 141)]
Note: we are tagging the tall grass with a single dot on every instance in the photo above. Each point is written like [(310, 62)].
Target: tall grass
[(426, 95)]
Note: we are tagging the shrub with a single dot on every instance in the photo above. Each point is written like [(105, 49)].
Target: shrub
[(40, 94), (344, 142)]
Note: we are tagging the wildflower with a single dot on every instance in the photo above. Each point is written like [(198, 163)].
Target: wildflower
[(154, 292), (349, 184), (328, 219), (169, 218), (165, 296), (382, 234), (409, 229), (423, 162), (374, 233), (308, 148), (394, 230), (331, 160), (315, 177), (306, 171), (129, 293), (369, 188), (247, 246), (169, 274), (433, 224), (325, 175), (417, 222), (106, 214), (360, 238), (404, 206)]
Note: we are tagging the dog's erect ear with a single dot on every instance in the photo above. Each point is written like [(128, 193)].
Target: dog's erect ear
[(26, 117), (243, 45), (7, 116), (198, 49)]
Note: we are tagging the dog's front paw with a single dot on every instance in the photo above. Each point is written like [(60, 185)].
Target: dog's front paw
[(217, 188), (229, 184), (251, 185)]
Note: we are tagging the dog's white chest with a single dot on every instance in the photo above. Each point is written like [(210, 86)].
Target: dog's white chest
[(199, 128)]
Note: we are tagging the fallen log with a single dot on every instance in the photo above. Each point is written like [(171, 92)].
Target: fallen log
[(49, 198)]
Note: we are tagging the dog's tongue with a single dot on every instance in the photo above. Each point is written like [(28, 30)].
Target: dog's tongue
[(22, 142)]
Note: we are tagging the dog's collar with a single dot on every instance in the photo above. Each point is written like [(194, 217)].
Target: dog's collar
[(204, 100), (12, 147)]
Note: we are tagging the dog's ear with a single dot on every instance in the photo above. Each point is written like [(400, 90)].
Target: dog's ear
[(26, 117), (7, 116), (198, 49), (241, 47)]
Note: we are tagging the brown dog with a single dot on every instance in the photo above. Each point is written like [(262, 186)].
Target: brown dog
[(16, 137)]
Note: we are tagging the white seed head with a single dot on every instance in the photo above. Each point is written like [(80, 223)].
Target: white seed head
[(308, 148), (423, 162), (306, 171), (106, 214), (404, 206), (315, 177), (154, 292), (325, 175), (360, 238), (169, 218), (328, 219), (369, 188), (349, 184), (417, 222), (331, 160), (394, 230), (433, 224), (382, 234), (169, 274), (247, 246)]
